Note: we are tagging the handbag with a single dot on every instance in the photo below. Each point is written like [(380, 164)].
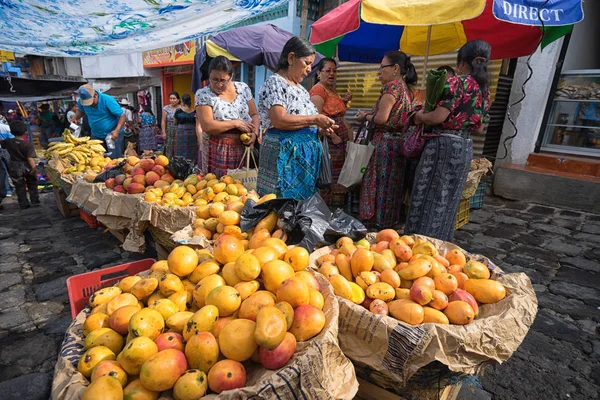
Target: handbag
[(248, 176), (325, 178), (414, 138), (358, 155)]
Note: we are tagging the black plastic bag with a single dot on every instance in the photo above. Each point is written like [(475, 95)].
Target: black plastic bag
[(111, 173), (181, 167), (308, 223)]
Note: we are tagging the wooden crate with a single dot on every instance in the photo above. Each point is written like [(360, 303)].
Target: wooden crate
[(66, 209)]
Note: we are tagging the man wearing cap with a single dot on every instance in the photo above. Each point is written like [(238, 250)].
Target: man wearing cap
[(104, 115)]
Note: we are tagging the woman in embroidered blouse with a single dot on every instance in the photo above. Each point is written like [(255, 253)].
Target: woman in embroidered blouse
[(185, 143), (290, 153), (225, 110), (169, 128), (382, 188), (147, 121), (328, 102), (444, 165)]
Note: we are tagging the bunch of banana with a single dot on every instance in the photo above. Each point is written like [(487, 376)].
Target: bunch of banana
[(85, 153)]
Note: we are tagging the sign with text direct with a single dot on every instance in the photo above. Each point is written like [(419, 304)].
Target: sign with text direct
[(180, 54), (539, 12)]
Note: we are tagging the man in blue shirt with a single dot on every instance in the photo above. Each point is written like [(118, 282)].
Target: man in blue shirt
[(105, 117)]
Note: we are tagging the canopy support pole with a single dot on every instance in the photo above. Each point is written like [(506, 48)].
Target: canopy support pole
[(426, 57)]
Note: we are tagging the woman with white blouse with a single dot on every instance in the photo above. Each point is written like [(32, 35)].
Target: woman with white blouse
[(225, 110), (290, 153)]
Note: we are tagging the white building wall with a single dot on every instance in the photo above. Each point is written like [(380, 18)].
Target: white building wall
[(121, 66), (73, 67), (528, 114)]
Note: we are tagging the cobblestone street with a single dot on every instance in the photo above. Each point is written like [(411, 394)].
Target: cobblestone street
[(556, 248)]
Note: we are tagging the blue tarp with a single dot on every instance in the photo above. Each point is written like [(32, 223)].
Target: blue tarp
[(78, 28)]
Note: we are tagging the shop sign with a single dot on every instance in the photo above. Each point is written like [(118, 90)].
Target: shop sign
[(180, 54), (538, 12), (7, 56)]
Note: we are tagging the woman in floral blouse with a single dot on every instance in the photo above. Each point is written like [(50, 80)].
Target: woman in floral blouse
[(327, 100), (226, 109), (442, 171), (382, 190), (290, 153)]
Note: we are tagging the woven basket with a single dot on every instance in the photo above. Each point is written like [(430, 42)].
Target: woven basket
[(162, 237), (426, 383)]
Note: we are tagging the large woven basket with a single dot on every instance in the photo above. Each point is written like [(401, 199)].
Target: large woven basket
[(426, 383), (162, 237)]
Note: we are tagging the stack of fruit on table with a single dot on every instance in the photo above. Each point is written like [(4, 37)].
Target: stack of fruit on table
[(197, 321), (84, 154), (150, 176), (409, 280)]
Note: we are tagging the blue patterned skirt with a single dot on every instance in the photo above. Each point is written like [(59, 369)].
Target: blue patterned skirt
[(438, 184), (289, 163)]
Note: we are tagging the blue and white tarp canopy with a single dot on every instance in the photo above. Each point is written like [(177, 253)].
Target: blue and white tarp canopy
[(76, 28)]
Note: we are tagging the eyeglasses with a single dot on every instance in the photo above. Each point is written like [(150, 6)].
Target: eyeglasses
[(220, 81), (381, 67)]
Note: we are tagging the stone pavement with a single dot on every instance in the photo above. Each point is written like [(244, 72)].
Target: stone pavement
[(39, 250), (558, 249)]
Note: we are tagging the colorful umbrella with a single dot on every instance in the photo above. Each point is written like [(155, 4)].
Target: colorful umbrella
[(254, 45), (364, 30)]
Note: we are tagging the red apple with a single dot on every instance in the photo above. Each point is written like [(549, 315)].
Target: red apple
[(138, 171), (110, 183), (159, 169), (120, 189)]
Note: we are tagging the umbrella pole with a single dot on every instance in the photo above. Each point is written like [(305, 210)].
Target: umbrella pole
[(426, 57)]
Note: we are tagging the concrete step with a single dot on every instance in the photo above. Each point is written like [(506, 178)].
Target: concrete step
[(549, 187)]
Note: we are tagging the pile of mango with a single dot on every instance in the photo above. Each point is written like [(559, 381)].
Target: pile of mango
[(409, 279), (196, 317)]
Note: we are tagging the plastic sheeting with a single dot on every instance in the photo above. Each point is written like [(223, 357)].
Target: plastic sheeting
[(75, 28), (308, 222)]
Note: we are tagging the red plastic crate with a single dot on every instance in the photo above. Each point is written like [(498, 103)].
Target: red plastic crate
[(89, 219), (82, 286)]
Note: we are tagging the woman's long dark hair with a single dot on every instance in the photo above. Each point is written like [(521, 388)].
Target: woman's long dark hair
[(476, 53), (407, 69), (186, 99), (300, 47), (324, 62), (148, 110)]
